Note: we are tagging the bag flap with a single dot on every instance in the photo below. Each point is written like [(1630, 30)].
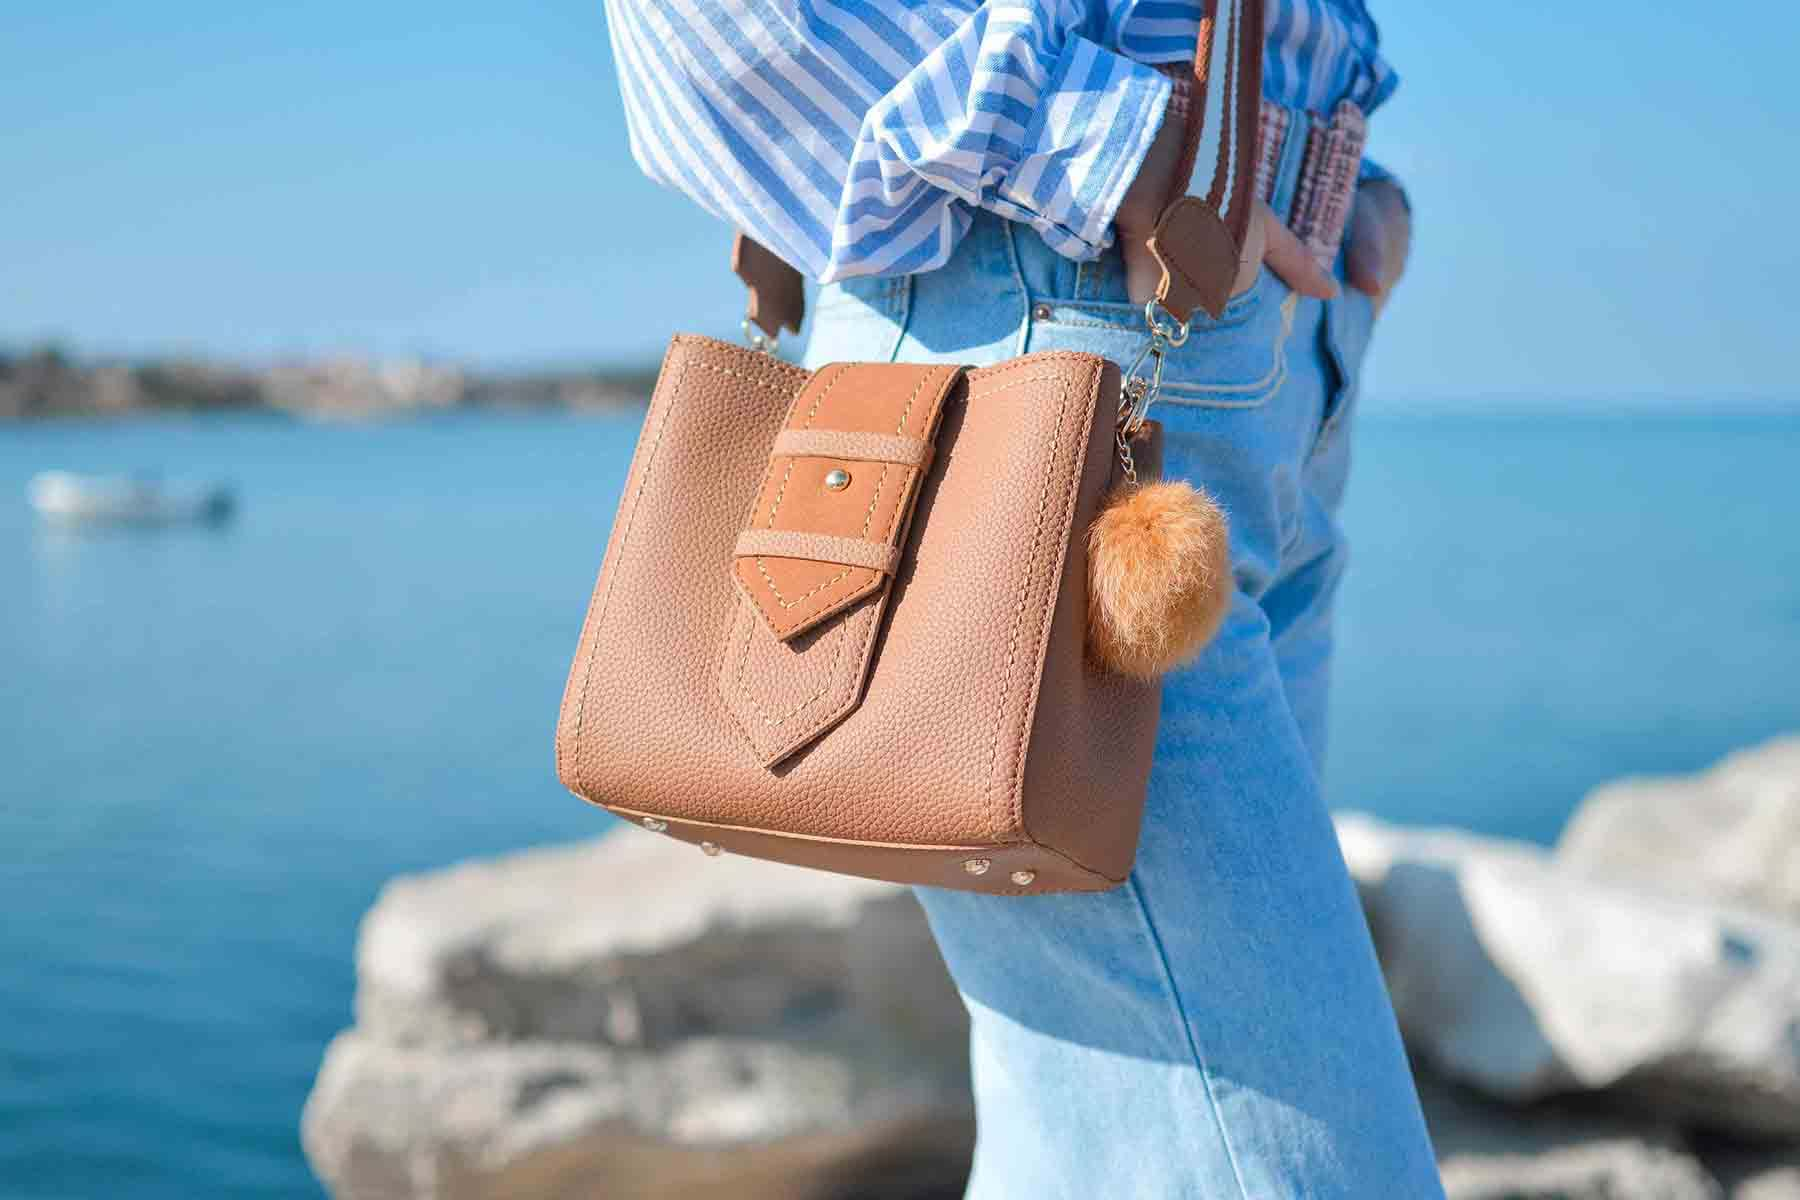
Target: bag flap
[(843, 475), (822, 543)]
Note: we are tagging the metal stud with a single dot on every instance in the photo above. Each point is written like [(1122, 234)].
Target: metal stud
[(837, 479), (710, 849), (654, 825), (1024, 878), (976, 866)]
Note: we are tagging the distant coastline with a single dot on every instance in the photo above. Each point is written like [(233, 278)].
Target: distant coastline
[(49, 382)]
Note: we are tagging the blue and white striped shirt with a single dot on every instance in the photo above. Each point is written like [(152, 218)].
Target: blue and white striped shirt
[(854, 137)]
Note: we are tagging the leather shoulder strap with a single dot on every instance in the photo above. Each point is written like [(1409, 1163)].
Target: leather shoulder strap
[(777, 293), (1204, 236)]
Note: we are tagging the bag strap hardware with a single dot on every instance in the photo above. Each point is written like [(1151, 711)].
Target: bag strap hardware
[(777, 295), (1140, 390)]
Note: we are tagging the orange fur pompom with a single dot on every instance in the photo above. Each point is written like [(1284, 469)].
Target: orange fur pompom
[(1159, 578)]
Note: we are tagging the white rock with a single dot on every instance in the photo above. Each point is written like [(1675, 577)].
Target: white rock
[(1752, 1172), (709, 1120), (1524, 978), (628, 1018), (1731, 833), (636, 940), (1556, 1152)]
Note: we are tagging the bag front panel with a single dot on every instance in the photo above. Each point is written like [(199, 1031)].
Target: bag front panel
[(932, 756)]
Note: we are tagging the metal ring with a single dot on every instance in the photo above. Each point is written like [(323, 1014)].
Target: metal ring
[(1172, 334), (1137, 393), (758, 339)]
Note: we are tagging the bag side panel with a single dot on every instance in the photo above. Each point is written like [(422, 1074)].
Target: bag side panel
[(1093, 731)]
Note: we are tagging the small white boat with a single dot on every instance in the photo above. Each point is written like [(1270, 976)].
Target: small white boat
[(71, 499)]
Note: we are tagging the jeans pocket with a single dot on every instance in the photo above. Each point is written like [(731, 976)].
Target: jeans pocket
[(1349, 323), (1236, 361)]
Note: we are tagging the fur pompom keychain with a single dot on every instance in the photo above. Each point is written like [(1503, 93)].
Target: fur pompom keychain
[(1159, 577)]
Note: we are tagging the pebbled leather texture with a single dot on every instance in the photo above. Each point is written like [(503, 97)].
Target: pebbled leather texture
[(971, 727)]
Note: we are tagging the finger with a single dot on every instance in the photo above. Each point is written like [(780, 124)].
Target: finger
[(1398, 242), (1142, 272), (1288, 257), (1365, 251)]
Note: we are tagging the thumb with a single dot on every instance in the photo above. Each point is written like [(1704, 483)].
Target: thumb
[(1142, 272), (1363, 258)]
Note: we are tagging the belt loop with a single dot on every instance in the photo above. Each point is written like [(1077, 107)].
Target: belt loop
[(1296, 133)]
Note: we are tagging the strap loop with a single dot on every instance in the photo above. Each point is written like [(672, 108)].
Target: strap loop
[(855, 447), (817, 547)]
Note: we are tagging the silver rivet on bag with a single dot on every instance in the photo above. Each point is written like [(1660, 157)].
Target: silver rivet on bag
[(654, 825), (710, 849), (976, 866), (837, 479), (1024, 878)]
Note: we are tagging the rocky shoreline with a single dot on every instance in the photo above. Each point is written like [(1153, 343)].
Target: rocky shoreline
[(1614, 1019), (48, 383)]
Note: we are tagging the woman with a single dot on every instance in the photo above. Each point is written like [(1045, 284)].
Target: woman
[(976, 180)]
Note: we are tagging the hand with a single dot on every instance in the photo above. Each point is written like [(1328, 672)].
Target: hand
[(1270, 243), (1380, 240)]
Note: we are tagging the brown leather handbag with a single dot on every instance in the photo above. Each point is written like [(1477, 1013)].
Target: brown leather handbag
[(840, 621)]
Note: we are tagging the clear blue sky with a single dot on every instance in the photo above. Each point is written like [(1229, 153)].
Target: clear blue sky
[(1605, 191)]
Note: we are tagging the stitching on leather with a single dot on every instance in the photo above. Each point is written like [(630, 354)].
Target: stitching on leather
[(755, 360), (1047, 611), (753, 381), (743, 661), (1031, 361), (832, 678), (745, 610), (810, 414), (780, 598), (781, 495), (880, 482), (1169, 263), (784, 603), (599, 617), (917, 388), (1062, 404)]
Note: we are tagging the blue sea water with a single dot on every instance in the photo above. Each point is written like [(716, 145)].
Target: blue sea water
[(216, 745)]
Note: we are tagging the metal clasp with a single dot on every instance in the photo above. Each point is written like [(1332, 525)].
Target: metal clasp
[(1139, 391), (758, 339)]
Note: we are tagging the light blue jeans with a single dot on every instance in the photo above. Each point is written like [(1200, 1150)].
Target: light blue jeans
[(1217, 1027)]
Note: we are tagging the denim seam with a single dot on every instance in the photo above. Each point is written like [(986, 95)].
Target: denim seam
[(1187, 1031), (1339, 397), (900, 310), (1254, 394), (1018, 274), (1237, 312)]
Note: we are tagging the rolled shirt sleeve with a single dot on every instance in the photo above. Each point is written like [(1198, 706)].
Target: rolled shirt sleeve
[(858, 139)]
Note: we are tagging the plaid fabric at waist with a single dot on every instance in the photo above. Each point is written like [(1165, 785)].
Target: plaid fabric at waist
[(1306, 163)]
